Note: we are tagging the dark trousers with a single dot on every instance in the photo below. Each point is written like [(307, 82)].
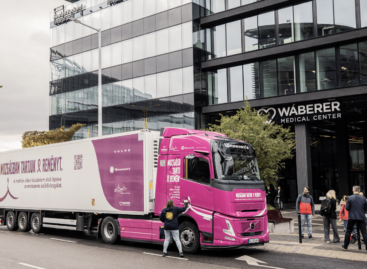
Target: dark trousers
[(361, 224)]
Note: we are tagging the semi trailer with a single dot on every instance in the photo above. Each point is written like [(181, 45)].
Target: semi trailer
[(116, 186)]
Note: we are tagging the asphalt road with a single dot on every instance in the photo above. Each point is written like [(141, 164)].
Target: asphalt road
[(64, 249)]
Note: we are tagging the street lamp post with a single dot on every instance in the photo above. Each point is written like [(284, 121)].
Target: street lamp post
[(99, 74)]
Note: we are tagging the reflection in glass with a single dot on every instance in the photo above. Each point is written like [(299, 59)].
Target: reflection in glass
[(127, 11), (149, 43), (219, 41), (363, 7), (246, 2), (162, 41), (151, 86), (88, 21), (96, 20), (94, 59), (326, 69), (106, 18), (175, 38), (216, 5), (69, 29), (106, 56), (233, 3), (285, 25), (251, 81), (116, 14), (251, 34), (217, 87), (138, 9), (128, 90), (139, 89), (236, 83), (163, 84), (303, 21), (349, 65), (175, 78), (363, 61), (127, 51), (307, 71), (286, 75), (345, 15), (187, 35), (267, 30), (116, 52), (269, 70), (138, 48), (234, 45), (325, 17), (188, 79)]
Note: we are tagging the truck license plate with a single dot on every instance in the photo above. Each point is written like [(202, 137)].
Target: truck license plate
[(253, 241)]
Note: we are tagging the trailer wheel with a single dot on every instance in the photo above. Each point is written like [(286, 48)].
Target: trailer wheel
[(23, 222), (11, 221), (189, 236), (109, 230), (36, 223)]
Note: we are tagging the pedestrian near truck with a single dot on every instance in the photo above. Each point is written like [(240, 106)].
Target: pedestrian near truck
[(169, 216), (279, 198), (328, 213), (357, 206), (343, 216), (306, 208)]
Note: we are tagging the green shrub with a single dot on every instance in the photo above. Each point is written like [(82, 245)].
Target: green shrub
[(270, 207)]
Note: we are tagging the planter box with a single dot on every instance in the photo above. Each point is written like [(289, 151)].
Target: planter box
[(278, 224)]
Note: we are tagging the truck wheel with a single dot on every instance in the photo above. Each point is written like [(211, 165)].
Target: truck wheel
[(109, 230), (36, 223), (11, 221), (23, 222), (189, 236)]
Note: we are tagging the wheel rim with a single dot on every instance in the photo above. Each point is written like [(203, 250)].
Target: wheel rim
[(109, 230), (35, 222), (10, 220), (22, 221), (187, 237)]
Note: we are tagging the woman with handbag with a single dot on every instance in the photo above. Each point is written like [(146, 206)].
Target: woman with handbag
[(329, 217), (169, 216)]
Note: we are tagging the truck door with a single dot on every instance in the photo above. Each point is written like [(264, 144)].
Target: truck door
[(195, 182)]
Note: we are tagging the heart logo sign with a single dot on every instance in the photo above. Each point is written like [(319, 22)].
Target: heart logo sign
[(267, 111)]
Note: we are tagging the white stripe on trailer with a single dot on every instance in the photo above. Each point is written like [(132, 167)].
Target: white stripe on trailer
[(67, 241), (159, 255), (59, 227), (32, 266), (59, 221)]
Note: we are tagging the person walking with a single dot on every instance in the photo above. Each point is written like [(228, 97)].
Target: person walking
[(169, 216), (344, 215), (357, 206), (279, 198), (330, 218), (306, 208)]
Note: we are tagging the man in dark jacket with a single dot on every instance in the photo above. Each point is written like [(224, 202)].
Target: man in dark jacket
[(169, 216), (356, 206), (279, 198), (306, 208)]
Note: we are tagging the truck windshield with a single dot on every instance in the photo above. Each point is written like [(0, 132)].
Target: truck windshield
[(234, 160)]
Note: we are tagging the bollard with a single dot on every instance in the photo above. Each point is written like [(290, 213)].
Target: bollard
[(359, 238), (299, 228)]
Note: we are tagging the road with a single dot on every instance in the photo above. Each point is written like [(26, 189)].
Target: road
[(64, 249)]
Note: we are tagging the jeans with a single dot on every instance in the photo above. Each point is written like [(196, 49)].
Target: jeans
[(307, 218), (327, 222), (280, 203), (354, 232), (362, 227), (175, 234)]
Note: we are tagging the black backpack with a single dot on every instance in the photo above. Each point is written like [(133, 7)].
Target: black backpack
[(325, 207)]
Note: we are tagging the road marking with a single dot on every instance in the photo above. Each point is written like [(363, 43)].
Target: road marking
[(63, 240), (32, 266), (254, 262), (159, 255)]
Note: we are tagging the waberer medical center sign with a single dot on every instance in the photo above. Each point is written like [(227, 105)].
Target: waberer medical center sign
[(298, 113)]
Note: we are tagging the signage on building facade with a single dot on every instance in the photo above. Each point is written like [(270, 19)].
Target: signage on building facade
[(303, 113), (114, 2), (61, 16)]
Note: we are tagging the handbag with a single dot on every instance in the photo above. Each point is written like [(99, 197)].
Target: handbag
[(161, 233)]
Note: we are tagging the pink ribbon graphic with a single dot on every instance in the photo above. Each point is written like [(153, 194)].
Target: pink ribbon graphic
[(8, 192)]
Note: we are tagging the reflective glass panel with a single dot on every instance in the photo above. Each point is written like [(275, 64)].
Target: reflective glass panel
[(96, 20), (217, 84), (307, 71), (88, 21), (94, 60), (175, 38), (163, 84), (138, 9), (219, 41), (149, 42), (234, 44), (138, 48), (161, 5), (363, 7), (175, 77), (116, 15), (69, 30), (345, 15), (326, 69), (286, 75), (127, 11), (128, 92), (285, 25), (106, 18), (187, 35), (116, 53), (267, 30), (251, 81), (78, 28), (303, 21), (251, 34), (325, 17), (149, 7), (162, 41), (217, 5), (363, 61), (246, 2), (236, 83), (188, 79), (106, 56), (349, 65), (127, 51), (151, 86), (269, 70), (139, 91), (233, 3), (87, 61), (174, 3)]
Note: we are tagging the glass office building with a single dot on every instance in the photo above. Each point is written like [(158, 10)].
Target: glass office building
[(184, 62)]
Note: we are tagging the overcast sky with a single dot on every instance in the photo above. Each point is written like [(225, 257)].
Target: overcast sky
[(24, 68)]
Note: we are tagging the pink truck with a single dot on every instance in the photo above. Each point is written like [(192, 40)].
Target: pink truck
[(116, 187)]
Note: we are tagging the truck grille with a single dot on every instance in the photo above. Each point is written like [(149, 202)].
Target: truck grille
[(251, 234), (248, 206), (246, 226)]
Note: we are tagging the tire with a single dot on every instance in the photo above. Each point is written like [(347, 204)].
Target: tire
[(189, 237), (23, 222), (36, 223), (109, 230), (11, 222)]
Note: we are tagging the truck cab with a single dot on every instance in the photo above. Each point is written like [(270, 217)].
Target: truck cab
[(220, 178)]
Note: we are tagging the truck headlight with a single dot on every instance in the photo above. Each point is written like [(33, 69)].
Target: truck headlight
[(230, 230)]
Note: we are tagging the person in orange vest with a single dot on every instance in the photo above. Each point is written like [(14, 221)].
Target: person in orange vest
[(306, 208)]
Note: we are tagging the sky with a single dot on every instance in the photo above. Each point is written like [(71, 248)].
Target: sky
[(24, 68)]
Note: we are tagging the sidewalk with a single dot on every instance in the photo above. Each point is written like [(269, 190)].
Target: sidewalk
[(289, 243)]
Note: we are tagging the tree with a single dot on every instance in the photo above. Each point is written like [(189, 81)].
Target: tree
[(273, 143), (35, 138)]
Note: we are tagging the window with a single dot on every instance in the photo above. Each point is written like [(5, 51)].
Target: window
[(69, 29), (188, 79), (286, 75), (149, 42), (363, 7), (285, 25), (217, 86), (175, 77), (149, 7), (326, 69), (116, 52), (106, 18), (161, 5), (217, 5), (138, 48), (163, 84), (234, 45), (138, 9), (106, 56), (251, 34), (127, 51), (251, 81), (151, 86), (345, 15), (88, 21), (266, 30), (233, 3), (270, 85), (219, 41), (175, 38), (162, 41), (127, 9), (116, 14), (303, 21), (236, 83), (363, 61), (139, 89), (174, 3), (246, 2), (325, 17), (349, 65), (307, 72), (197, 169), (187, 35)]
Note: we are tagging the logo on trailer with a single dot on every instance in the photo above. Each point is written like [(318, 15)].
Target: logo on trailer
[(120, 190), (8, 192)]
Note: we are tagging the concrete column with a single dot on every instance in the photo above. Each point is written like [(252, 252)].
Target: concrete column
[(342, 152), (303, 157)]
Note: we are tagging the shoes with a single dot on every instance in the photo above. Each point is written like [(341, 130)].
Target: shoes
[(343, 247), (181, 255), (354, 241), (164, 254), (336, 241), (327, 242), (310, 237)]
